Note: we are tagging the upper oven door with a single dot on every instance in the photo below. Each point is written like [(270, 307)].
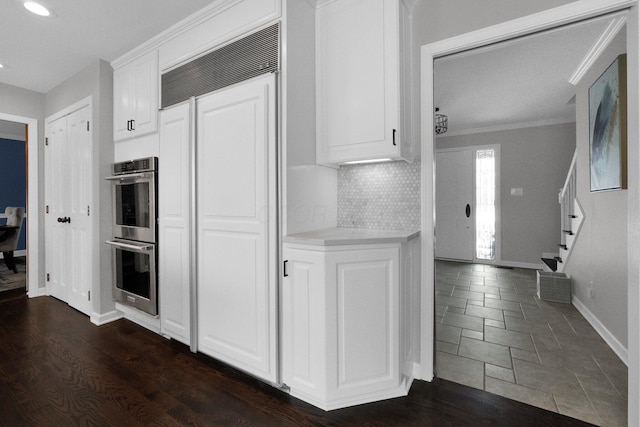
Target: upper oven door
[(134, 206)]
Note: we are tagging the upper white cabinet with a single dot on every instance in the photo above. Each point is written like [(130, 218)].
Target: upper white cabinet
[(135, 98), (362, 81)]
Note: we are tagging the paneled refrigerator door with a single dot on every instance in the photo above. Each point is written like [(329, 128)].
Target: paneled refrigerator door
[(174, 219), (237, 242)]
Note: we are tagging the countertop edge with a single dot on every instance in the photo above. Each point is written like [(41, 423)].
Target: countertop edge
[(315, 238)]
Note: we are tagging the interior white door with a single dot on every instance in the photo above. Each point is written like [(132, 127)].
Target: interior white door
[(236, 193), (56, 200), (68, 168), (79, 164), (454, 205)]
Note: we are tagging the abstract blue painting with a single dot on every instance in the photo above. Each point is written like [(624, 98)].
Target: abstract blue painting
[(607, 128)]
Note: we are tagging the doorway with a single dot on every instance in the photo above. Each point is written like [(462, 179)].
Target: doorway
[(32, 212), (13, 174), (550, 19)]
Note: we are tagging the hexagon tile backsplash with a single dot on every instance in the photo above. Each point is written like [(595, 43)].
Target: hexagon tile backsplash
[(380, 195)]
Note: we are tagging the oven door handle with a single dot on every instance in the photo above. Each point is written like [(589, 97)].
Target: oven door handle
[(127, 176), (135, 248)]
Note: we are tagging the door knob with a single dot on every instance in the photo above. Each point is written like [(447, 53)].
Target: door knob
[(468, 210)]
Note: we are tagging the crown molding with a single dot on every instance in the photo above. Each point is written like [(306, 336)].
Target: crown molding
[(510, 126), (409, 4), (605, 39)]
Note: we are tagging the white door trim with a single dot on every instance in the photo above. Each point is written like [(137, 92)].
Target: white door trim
[(556, 17), (33, 207)]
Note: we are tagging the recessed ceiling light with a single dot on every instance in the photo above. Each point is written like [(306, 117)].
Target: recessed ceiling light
[(37, 8), (1, 66)]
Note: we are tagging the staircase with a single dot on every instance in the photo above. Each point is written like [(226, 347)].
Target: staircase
[(571, 218)]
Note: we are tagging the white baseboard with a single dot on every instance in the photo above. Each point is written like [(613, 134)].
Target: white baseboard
[(607, 336), (38, 292), (104, 318), (143, 319), (517, 264)]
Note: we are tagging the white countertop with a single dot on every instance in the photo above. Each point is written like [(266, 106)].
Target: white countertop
[(350, 236)]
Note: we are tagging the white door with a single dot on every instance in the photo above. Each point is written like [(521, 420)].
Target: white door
[(236, 193), (56, 200), (454, 205), (68, 169)]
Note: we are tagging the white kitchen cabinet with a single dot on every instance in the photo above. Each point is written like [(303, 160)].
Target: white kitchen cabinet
[(135, 97), (363, 81), (236, 226), (347, 322), (174, 220)]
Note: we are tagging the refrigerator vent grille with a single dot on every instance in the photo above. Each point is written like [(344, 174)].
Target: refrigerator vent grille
[(251, 56)]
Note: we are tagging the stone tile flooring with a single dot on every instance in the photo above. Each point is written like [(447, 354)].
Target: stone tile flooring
[(494, 334)]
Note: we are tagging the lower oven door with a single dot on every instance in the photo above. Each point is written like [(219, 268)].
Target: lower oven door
[(134, 274)]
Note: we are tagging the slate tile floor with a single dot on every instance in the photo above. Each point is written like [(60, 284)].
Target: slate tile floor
[(494, 334)]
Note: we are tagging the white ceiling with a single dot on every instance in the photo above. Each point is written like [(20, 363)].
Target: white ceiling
[(40, 53), (518, 83)]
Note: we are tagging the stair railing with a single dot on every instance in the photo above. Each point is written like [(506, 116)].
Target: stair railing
[(566, 198)]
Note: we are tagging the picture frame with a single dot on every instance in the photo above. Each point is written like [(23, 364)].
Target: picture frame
[(608, 128)]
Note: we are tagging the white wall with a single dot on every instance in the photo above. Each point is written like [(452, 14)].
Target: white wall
[(310, 190), (599, 258), (535, 159)]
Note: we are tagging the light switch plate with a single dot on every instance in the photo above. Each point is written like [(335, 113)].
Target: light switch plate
[(516, 192)]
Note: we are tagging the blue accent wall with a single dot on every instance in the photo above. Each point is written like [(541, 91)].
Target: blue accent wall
[(13, 179)]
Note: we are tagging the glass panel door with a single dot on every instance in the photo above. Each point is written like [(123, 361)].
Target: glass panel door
[(486, 204)]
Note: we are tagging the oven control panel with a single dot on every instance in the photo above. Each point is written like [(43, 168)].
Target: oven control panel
[(148, 164)]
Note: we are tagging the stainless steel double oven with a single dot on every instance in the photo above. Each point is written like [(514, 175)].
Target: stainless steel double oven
[(134, 252)]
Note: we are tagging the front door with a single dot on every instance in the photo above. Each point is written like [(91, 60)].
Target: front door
[(454, 205)]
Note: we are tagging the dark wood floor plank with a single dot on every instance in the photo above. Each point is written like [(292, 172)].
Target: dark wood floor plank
[(56, 368)]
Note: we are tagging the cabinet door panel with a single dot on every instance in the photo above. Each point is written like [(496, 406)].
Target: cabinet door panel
[(358, 80), (304, 353), (236, 226), (145, 107), (365, 287), (174, 214), (122, 102)]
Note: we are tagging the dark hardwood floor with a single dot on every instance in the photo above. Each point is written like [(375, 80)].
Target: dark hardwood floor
[(58, 369)]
